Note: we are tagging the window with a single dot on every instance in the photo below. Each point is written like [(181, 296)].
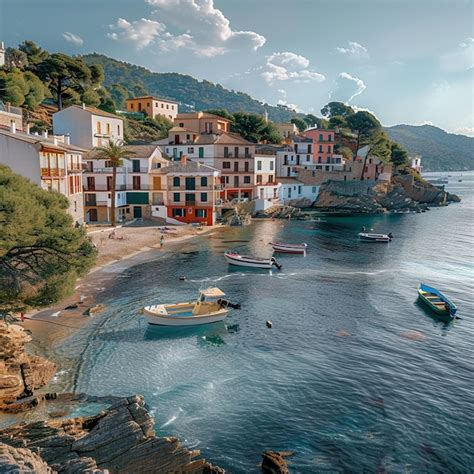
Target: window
[(319, 159), (188, 136), (313, 189), (272, 164), (190, 199), (329, 148), (204, 181), (329, 138), (175, 152), (247, 153), (259, 165), (156, 104), (172, 107), (259, 179), (300, 189), (226, 152), (148, 104), (309, 148), (246, 179), (176, 197), (320, 148), (236, 166), (136, 182), (307, 157), (201, 152), (136, 166), (289, 192), (131, 105), (320, 137), (176, 181), (203, 197), (326, 168), (167, 106), (163, 106), (190, 149), (201, 213), (328, 160), (118, 129), (236, 151), (246, 166), (178, 212), (181, 125)]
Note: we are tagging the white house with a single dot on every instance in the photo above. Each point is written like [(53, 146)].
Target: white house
[(415, 163), (294, 192), (50, 162), (88, 127)]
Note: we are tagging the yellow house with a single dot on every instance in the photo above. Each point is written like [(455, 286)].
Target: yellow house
[(153, 107)]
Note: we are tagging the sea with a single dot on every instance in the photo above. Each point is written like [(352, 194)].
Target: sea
[(353, 376)]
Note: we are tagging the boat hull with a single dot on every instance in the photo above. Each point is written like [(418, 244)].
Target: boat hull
[(180, 321), (242, 262), (374, 238), (437, 302), (294, 249)]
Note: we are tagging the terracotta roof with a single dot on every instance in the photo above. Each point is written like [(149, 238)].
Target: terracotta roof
[(93, 111), (181, 129), (153, 98), (195, 115), (138, 151), (40, 140), (189, 167)]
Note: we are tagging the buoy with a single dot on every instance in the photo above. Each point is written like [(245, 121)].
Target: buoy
[(182, 278), (269, 324)]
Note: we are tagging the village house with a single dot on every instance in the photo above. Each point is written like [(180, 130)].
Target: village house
[(88, 127), (153, 107), (323, 141), (286, 130), (50, 162), (415, 163), (135, 185), (266, 185), (11, 115), (202, 122), (295, 192), (190, 192), (293, 155)]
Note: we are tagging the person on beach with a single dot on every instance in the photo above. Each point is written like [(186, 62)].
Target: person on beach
[(162, 240)]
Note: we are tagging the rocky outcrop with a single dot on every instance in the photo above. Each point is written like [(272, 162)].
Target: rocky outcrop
[(21, 461), (404, 193), (20, 373), (119, 440), (274, 462)]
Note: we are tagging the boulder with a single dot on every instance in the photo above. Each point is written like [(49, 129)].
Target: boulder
[(21, 461), (274, 462)]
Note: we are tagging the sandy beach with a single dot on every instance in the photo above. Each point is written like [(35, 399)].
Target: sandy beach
[(130, 246)]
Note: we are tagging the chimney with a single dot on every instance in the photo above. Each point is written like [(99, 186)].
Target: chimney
[(13, 126), (84, 106), (184, 160), (28, 128), (67, 139), (45, 134)]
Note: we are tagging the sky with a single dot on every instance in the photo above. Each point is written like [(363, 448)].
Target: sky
[(407, 61)]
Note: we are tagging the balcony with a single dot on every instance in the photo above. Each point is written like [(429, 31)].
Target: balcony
[(190, 203), (104, 187), (142, 169), (103, 135), (53, 172), (120, 169)]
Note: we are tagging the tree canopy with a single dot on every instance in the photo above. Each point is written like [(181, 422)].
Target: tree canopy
[(41, 252), (336, 108), (254, 128)]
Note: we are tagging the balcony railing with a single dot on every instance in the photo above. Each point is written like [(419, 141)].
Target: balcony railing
[(53, 172), (120, 170), (104, 187), (190, 203), (102, 135)]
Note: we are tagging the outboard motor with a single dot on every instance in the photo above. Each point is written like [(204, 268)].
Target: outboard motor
[(228, 304), (276, 264), (390, 236)]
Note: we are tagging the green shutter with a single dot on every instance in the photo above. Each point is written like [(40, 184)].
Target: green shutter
[(137, 198)]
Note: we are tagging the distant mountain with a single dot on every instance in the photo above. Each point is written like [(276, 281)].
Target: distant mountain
[(191, 93), (440, 151)]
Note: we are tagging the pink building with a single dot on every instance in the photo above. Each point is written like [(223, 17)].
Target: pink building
[(323, 141)]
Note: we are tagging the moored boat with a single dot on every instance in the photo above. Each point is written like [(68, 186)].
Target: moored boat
[(436, 301), (234, 258), (208, 308), (282, 247), (368, 237)]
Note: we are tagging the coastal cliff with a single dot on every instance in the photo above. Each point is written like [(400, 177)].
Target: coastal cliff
[(118, 440), (20, 373), (403, 193)]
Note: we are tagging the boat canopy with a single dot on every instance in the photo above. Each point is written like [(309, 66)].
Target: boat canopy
[(212, 292)]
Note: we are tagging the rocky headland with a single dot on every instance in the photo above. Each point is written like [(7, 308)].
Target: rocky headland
[(403, 193)]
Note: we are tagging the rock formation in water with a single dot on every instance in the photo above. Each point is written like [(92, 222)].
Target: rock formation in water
[(403, 193), (274, 462), (20, 373), (119, 440)]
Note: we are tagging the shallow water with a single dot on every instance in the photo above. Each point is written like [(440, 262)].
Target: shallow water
[(353, 375)]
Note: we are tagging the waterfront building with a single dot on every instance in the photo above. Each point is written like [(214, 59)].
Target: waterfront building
[(11, 115), (153, 107), (190, 192), (203, 123), (50, 162), (323, 141), (88, 127), (297, 192), (297, 153), (136, 188), (266, 185), (415, 163)]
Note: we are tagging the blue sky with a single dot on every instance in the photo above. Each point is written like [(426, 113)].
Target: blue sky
[(408, 61)]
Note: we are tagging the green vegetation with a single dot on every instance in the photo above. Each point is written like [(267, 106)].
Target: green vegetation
[(41, 252), (145, 130), (440, 151)]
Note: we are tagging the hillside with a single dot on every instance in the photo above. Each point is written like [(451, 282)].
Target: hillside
[(188, 91), (441, 151)]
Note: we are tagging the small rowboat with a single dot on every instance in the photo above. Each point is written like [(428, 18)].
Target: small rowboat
[(208, 308), (436, 301), (234, 258), (281, 247), (366, 237)]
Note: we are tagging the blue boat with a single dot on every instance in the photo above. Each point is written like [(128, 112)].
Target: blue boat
[(437, 302)]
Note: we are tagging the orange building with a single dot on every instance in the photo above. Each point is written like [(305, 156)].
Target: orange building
[(153, 107), (202, 122)]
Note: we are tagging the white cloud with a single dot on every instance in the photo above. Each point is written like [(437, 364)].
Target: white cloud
[(469, 131), (289, 105), (287, 66), (355, 51), (72, 38), (459, 59), (347, 87), (140, 32), (200, 28)]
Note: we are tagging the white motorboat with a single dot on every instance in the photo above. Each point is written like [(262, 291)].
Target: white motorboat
[(208, 308), (234, 258), (367, 237), (281, 247)]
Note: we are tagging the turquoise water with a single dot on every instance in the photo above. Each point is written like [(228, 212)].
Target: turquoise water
[(353, 376)]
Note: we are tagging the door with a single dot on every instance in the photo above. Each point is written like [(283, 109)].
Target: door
[(137, 212), (236, 166), (156, 182), (236, 181), (92, 215), (137, 181), (91, 183), (109, 183), (136, 166)]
